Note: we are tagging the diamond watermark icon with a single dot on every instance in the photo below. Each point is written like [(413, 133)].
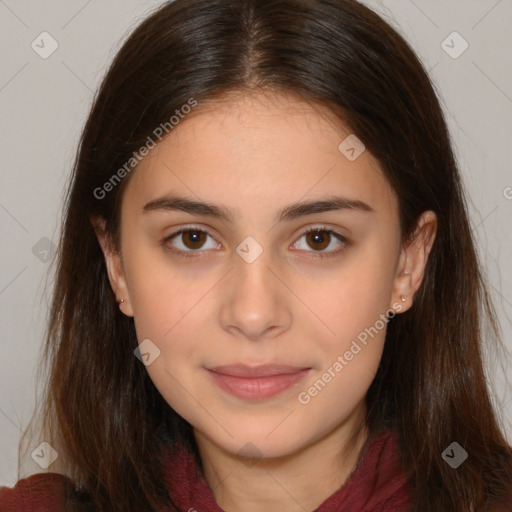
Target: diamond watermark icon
[(44, 455), (351, 147), (454, 45), (250, 453), (147, 352), (44, 249), (454, 455), (44, 45), (249, 249)]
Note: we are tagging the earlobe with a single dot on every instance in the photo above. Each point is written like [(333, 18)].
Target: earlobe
[(114, 266), (413, 260)]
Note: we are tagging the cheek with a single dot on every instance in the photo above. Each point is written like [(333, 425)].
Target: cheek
[(169, 309), (355, 299), (355, 309), (172, 305), (163, 292)]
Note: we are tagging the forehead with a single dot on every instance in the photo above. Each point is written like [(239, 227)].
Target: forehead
[(260, 145), (272, 118)]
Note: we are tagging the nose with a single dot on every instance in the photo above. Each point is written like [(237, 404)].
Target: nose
[(256, 303)]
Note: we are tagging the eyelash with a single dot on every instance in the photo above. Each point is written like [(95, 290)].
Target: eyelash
[(194, 254)]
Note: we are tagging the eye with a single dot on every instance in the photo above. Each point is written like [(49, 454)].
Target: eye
[(320, 237), (191, 240)]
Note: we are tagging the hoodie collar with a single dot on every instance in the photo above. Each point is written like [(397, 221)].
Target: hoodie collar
[(378, 483)]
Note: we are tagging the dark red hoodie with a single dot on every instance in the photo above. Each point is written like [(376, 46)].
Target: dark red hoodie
[(377, 485)]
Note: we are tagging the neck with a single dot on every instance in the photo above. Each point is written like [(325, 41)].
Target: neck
[(299, 481)]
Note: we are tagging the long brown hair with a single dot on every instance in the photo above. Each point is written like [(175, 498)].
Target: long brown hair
[(104, 415)]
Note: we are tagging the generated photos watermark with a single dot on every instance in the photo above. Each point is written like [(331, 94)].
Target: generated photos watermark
[(304, 397), (159, 132)]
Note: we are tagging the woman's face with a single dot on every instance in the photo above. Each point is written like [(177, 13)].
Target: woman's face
[(246, 285)]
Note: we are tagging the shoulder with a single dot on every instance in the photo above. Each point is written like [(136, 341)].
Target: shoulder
[(39, 492)]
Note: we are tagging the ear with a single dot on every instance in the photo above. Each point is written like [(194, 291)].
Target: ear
[(413, 260), (114, 264)]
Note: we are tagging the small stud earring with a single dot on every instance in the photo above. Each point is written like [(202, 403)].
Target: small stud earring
[(402, 298), (120, 301)]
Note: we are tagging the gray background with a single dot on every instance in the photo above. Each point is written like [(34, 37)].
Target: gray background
[(44, 103)]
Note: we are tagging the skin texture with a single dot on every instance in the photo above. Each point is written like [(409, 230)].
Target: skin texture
[(256, 154)]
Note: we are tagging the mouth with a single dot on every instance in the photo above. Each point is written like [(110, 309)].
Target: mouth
[(256, 382)]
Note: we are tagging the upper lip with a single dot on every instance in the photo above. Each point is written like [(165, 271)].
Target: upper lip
[(267, 370)]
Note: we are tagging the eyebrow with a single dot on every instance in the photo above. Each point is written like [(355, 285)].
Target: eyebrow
[(288, 213)]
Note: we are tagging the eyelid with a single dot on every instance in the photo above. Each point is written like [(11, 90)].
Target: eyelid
[(320, 227), (323, 228), (184, 229)]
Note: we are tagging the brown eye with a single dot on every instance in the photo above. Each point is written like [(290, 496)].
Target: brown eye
[(318, 239), (189, 241), (193, 239)]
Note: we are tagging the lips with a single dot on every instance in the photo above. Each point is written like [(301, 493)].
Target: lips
[(256, 382), (268, 370)]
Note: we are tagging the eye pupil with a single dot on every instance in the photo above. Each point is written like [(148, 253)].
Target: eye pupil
[(318, 237), (195, 237)]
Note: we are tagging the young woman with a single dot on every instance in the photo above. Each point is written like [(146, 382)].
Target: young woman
[(268, 296)]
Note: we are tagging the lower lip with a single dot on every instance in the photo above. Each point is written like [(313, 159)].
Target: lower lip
[(255, 388)]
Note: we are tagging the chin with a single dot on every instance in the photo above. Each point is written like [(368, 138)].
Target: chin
[(257, 444)]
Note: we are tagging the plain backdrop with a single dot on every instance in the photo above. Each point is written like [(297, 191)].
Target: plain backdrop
[(44, 103)]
